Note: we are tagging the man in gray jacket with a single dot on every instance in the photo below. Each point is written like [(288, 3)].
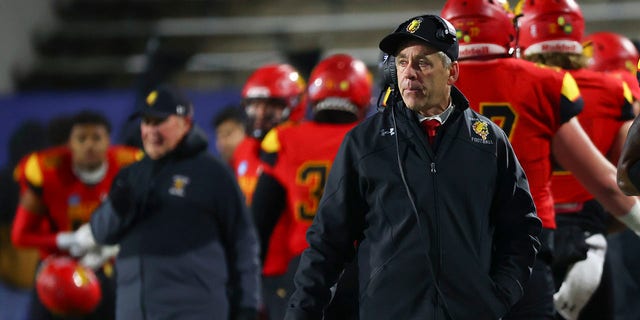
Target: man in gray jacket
[(188, 248)]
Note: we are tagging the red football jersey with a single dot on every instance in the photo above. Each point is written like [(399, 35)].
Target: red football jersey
[(69, 201), (305, 154), (607, 105), (525, 99), (247, 166), (630, 80)]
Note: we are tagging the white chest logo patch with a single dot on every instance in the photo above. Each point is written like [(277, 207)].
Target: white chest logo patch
[(179, 185)]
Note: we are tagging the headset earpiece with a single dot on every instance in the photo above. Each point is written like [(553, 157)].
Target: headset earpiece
[(446, 31), (389, 74), (389, 82)]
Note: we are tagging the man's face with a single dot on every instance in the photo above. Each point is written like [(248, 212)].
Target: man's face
[(161, 135), (228, 135), (423, 79), (89, 144), (264, 114)]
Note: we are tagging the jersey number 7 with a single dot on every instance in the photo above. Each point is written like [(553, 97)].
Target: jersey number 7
[(501, 113)]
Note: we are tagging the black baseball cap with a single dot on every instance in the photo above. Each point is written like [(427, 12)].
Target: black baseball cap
[(437, 32), (165, 101)]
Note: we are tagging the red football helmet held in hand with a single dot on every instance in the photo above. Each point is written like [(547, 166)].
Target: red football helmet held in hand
[(66, 288)]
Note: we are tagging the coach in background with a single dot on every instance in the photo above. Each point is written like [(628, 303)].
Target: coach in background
[(444, 215), (188, 248)]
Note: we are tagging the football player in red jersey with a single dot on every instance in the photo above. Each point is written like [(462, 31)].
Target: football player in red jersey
[(615, 54), (273, 94), (540, 121), (550, 33), (61, 186), (298, 159)]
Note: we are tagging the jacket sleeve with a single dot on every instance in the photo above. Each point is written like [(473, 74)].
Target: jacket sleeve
[(115, 215), (338, 223), (267, 206), (241, 245), (107, 226), (517, 226)]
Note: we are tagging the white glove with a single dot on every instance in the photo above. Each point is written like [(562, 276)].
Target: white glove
[(78, 242), (582, 279), (97, 257), (65, 239)]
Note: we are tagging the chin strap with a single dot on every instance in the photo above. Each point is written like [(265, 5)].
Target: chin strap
[(91, 176)]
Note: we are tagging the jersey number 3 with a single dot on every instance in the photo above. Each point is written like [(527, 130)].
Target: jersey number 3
[(311, 176)]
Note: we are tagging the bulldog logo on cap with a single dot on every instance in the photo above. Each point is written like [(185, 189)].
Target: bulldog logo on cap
[(151, 98), (414, 25), (163, 102)]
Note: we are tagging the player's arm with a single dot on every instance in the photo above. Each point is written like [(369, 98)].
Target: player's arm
[(269, 198), (32, 211), (574, 151), (30, 215)]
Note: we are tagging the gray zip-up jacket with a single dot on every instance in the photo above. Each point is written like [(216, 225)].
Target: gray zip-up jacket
[(188, 247)]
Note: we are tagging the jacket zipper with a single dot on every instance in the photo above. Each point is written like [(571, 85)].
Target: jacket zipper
[(436, 267)]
